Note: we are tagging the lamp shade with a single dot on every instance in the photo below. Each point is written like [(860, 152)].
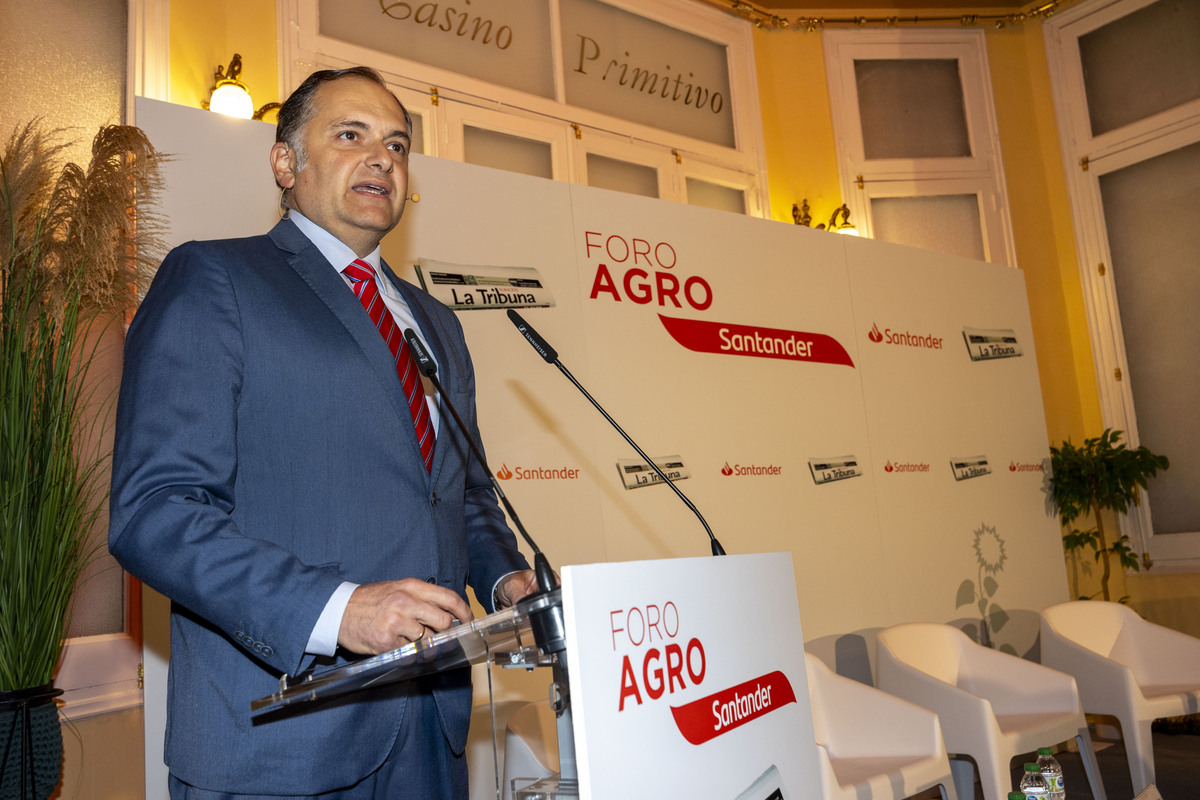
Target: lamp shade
[(231, 97)]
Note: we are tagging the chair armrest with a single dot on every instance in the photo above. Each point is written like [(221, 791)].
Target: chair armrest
[(1014, 685), (1101, 681), (961, 713), (1159, 655), (863, 722)]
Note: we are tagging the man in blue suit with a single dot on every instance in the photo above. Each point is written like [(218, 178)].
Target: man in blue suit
[(279, 476)]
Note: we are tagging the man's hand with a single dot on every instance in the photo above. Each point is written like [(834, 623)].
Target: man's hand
[(514, 587), (386, 615)]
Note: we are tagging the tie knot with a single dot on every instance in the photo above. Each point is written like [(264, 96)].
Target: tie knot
[(359, 270)]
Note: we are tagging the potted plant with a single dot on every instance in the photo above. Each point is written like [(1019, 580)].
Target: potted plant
[(1102, 475), (70, 250)]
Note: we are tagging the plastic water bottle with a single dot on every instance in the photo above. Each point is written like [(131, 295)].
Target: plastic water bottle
[(1052, 772), (1033, 784)]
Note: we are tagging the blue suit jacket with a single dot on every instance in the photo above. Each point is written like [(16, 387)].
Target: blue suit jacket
[(264, 454)]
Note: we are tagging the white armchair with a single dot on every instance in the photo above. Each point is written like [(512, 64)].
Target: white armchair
[(1127, 667), (530, 746), (871, 744), (481, 756), (992, 706)]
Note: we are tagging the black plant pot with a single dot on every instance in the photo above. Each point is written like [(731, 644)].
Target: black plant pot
[(31, 744)]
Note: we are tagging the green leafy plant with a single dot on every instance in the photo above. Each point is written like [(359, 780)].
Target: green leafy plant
[(71, 247), (1102, 475), (45, 489)]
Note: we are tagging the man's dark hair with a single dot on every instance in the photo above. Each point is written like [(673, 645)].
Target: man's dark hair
[(299, 109)]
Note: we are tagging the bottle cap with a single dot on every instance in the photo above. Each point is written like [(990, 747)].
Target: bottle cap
[(1016, 796), (1045, 751), (1032, 768)]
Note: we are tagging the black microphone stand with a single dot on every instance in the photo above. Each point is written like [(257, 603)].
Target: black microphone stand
[(543, 608)]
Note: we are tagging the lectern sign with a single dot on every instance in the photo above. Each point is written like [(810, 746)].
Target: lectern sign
[(687, 679)]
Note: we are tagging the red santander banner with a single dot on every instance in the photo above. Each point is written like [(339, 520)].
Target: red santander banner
[(709, 717), (728, 338)]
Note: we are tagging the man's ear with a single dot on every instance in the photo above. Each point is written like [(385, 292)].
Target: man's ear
[(283, 164)]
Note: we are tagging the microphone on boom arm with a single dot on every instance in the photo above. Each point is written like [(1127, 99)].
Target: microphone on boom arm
[(547, 581), (543, 608), (550, 355)]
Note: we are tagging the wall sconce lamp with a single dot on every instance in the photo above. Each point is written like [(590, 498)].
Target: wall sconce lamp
[(230, 96), (801, 216)]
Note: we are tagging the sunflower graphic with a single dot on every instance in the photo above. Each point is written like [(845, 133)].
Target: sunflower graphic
[(989, 549), (990, 555)]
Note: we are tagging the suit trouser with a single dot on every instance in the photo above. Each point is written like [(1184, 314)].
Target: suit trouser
[(421, 765)]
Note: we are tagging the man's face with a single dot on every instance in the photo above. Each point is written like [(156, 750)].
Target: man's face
[(354, 180)]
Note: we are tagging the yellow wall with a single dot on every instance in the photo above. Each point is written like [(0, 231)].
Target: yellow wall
[(797, 124), (1043, 230), (205, 34)]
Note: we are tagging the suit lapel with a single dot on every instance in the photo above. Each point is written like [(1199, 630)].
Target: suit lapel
[(313, 268)]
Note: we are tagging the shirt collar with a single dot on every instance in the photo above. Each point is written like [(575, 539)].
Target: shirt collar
[(336, 252)]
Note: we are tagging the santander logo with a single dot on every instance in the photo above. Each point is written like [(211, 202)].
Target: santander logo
[(537, 473), (921, 341), (748, 470), (906, 466)]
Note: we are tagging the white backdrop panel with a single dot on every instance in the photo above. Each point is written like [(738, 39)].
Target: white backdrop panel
[(871, 550), (927, 405)]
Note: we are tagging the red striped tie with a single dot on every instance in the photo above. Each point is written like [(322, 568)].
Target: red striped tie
[(362, 277)]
